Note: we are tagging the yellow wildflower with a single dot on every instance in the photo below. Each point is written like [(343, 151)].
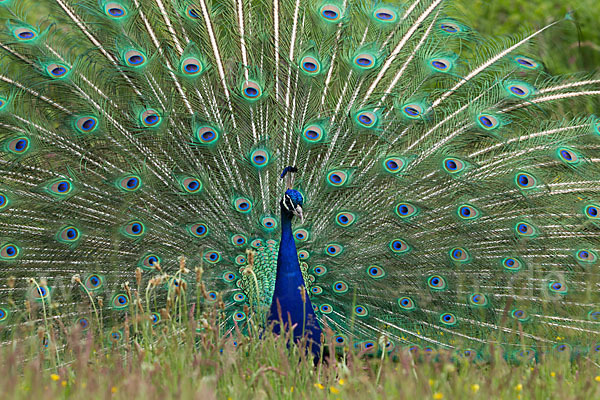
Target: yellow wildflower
[(334, 390), (431, 382), (54, 377), (318, 385), (553, 374), (342, 381), (438, 396), (113, 389), (292, 389), (64, 383), (597, 378), (474, 388), (519, 387)]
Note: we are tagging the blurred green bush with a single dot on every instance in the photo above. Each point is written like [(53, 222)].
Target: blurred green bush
[(567, 48)]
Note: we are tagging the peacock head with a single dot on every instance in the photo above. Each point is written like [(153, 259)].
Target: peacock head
[(292, 204)]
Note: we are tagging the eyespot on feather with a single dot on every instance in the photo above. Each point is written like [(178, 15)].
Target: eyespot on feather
[(512, 264), (557, 287), (478, 300), (310, 65), (405, 210), (212, 256), (361, 311), (134, 58), (518, 89), (94, 282), (239, 240), (259, 158), (316, 290), (326, 308), (339, 287), (120, 301), (129, 183), (345, 219), (268, 223), (86, 124), (399, 246), (134, 229), (319, 270), (150, 118), (459, 254), (60, 188), (586, 256), (393, 165), (206, 135), (592, 211), (9, 251), (240, 259), (191, 67), (251, 90), (436, 282), (243, 205), (4, 201), (568, 156), (366, 119), (467, 212), (149, 262), (303, 255), (193, 13), (198, 230), (19, 145), (375, 271), (115, 10), (25, 34), (57, 70), (406, 303), (525, 229), (453, 165), (337, 178), (191, 185), (333, 249), (448, 319), (385, 15), (301, 235), (313, 134), (525, 181), (68, 234), (331, 13)]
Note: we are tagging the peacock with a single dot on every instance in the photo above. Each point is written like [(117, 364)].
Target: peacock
[(369, 174)]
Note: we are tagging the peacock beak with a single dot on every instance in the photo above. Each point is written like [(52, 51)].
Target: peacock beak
[(298, 213)]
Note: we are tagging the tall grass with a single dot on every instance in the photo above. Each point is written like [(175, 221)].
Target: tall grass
[(184, 357)]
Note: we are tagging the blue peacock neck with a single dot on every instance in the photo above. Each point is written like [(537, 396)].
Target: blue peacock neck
[(290, 294)]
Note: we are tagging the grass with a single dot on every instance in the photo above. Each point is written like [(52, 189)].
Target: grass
[(187, 358)]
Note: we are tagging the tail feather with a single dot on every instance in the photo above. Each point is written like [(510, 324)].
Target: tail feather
[(449, 180)]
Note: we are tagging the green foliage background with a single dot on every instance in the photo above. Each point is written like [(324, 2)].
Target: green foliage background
[(570, 47)]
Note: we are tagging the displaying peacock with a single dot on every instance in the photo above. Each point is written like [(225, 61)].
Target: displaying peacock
[(372, 170)]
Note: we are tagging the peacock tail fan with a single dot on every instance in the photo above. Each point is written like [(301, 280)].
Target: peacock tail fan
[(450, 183)]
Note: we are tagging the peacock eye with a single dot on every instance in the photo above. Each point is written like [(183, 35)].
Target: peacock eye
[(453, 165), (19, 145), (251, 90), (134, 229), (399, 246)]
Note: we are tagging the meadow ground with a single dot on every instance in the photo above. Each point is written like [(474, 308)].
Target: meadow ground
[(179, 360)]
